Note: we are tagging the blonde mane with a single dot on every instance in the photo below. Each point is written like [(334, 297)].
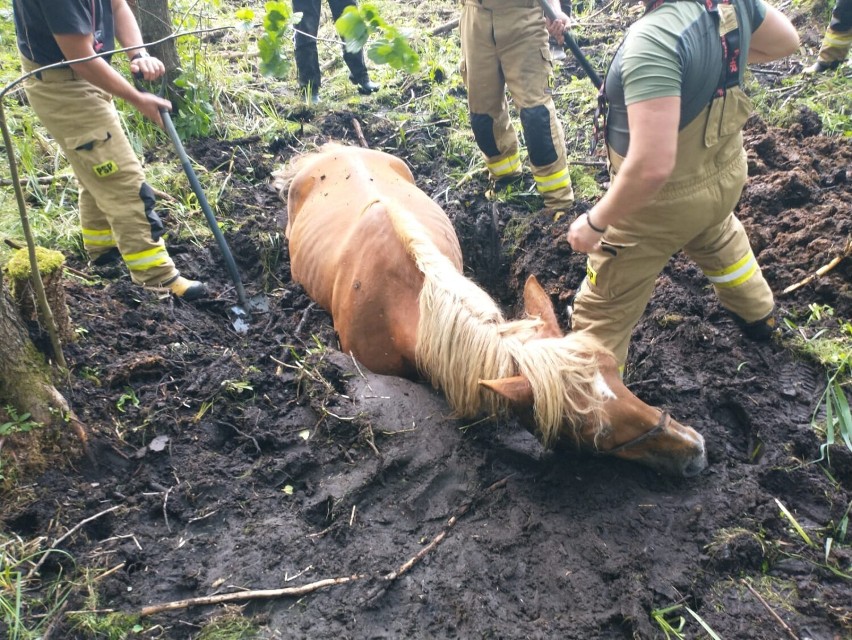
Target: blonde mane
[(462, 338)]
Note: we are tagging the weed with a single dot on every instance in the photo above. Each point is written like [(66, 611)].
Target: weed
[(830, 346), (128, 397), (17, 423), (672, 623)]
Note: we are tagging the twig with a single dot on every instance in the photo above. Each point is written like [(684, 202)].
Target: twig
[(6, 182), (417, 557), (165, 510), (358, 132), (117, 567), (847, 250), (305, 314), (259, 594), (244, 435), (240, 596), (444, 28), (771, 611), (68, 533)]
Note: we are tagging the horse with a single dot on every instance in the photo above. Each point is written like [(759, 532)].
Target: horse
[(384, 260)]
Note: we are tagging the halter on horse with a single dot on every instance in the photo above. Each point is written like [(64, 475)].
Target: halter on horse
[(384, 260)]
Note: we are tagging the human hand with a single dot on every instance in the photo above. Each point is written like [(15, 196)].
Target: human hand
[(147, 67), (556, 28), (149, 105), (582, 237)]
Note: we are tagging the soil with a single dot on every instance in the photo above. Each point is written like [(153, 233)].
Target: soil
[(269, 460)]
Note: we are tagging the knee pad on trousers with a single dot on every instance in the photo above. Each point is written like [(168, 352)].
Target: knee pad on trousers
[(483, 132), (536, 124), (146, 194)]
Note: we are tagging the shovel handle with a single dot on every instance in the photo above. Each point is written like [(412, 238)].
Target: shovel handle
[(571, 43), (185, 163)]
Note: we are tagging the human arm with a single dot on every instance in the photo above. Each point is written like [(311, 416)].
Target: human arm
[(128, 35), (102, 75), (775, 38), (97, 71), (649, 163)]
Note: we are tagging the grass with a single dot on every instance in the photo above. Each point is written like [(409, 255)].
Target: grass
[(25, 611), (827, 340)]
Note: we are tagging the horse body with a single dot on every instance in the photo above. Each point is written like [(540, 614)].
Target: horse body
[(384, 260), (345, 253)]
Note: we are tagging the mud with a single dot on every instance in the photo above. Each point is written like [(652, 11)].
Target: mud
[(270, 460)]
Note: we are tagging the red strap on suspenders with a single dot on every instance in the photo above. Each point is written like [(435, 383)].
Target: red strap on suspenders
[(730, 76)]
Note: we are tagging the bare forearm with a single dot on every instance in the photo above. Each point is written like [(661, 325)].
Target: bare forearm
[(126, 28)]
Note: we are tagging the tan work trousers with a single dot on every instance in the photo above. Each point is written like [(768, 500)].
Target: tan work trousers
[(505, 43), (693, 215), (83, 120)]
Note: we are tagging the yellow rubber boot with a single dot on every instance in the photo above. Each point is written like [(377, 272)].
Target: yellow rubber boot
[(185, 289)]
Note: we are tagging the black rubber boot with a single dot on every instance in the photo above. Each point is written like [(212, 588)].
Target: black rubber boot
[(759, 330)]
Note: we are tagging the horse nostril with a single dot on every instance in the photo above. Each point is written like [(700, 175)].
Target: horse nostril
[(695, 466)]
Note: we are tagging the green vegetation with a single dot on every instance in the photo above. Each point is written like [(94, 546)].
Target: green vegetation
[(828, 341)]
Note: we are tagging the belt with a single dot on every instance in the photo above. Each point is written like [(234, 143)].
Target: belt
[(57, 74)]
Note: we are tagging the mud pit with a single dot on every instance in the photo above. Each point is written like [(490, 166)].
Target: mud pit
[(286, 464)]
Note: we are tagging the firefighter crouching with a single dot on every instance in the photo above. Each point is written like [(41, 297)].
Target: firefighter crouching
[(677, 164), (505, 43)]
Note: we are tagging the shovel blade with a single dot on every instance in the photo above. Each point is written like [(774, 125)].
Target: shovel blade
[(239, 318)]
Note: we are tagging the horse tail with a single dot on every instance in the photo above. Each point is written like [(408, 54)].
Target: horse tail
[(458, 333)]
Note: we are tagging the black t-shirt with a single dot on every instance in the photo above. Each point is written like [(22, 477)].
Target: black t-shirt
[(37, 20)]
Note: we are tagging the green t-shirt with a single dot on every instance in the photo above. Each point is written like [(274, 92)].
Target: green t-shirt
[(675, 50)]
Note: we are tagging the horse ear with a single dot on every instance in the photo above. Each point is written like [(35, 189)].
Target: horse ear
[(537, 303), (516, 389)]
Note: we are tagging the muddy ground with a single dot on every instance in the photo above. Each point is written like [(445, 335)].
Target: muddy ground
[(269, 460)]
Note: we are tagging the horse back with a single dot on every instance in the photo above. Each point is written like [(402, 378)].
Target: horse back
[(345, 252)]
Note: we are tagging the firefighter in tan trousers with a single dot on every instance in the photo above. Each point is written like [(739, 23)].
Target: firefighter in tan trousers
[(678, 165), (837, 39), (74, 103), (505, 44)]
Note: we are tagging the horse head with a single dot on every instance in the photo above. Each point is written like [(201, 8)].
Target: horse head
[(624, 426)]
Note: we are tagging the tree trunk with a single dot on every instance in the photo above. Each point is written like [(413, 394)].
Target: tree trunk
[(25, 384), (155, 22)]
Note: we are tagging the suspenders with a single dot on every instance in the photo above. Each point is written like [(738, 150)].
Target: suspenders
[(725, 17)]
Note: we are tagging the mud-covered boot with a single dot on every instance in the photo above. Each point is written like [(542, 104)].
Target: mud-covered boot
[(759, 330)]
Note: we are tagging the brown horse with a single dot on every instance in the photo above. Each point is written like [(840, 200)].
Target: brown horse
[(384, 260)]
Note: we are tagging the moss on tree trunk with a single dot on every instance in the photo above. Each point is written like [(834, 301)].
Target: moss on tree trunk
[(26, 387)]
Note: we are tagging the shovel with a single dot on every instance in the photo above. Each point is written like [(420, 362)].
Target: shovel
[(571, 44), (240, 314)]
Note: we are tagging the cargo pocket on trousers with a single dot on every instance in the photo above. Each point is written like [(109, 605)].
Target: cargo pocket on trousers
[(548, 59), (95, 149)]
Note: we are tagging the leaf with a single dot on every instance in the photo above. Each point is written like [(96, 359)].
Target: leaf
[(352, 29), (245, 14), (277, 17)]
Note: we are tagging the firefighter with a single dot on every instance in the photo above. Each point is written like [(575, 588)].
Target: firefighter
[(307, 58), (837, 40), (505, 44), (74, 102), (674, 124)]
